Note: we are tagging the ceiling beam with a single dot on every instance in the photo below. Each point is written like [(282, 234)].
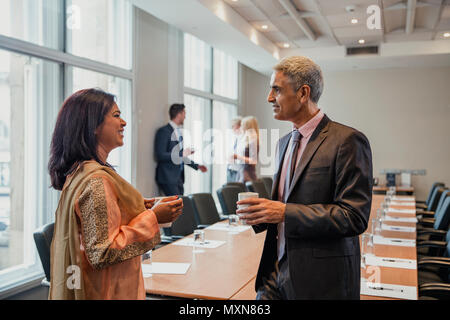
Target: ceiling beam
[(438, 18), (410, 16), (325, 21), (289, 7), (302, 14), (383, 28), (419, 4)]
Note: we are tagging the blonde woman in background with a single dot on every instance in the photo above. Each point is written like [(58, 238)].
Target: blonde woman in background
[(247, 149)]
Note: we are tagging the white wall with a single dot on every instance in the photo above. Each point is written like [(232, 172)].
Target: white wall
[(405, 114)]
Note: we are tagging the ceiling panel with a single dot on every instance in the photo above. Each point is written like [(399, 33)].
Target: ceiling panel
[(323, 41), (394, 19), (426, 17), (271, 8), (250, 13), (337, 7)]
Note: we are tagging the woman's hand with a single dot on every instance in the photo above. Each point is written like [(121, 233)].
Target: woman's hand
[(149, 203), (168, 209)]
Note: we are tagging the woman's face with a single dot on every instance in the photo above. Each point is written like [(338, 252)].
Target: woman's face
[(110, 132)]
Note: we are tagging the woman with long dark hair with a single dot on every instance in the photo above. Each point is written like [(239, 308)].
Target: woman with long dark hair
[(103, 224)]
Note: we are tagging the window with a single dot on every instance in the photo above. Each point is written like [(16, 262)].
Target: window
[(34, 81), (33, 21), (30, 95), (100, 30), (211, 93)]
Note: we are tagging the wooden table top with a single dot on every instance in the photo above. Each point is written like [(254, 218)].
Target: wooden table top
[(218, 273), (396, 276)]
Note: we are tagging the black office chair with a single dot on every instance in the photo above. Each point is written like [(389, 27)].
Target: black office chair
[(205, 209), (424, 204), (43, 240), (434, 271), (430, 214), (228, 196), (183, 226), (268, 181), (259, 187), (433, 229), (239, 185)]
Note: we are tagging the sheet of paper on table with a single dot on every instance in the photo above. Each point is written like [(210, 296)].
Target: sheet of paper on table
[(373, 260), (400, 198), (226, 227), (401, 210), (208, 244), (164, 268), (393, 241), (400, 219), (387, 227), (388, 290)]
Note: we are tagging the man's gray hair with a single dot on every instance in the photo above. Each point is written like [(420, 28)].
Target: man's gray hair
[(300, 71)]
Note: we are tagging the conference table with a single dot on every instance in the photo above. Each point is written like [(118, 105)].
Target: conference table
[(393, 275), (228, 272)]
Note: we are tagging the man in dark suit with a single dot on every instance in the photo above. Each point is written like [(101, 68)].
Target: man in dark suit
[(321, 195), (171, 155)]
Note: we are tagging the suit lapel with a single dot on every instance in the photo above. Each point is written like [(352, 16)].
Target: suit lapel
[(284, 142), (314, 143)]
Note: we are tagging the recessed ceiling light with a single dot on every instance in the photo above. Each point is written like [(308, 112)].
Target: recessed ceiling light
[(286, 45), (447, 34), (264, 26), (354, 21), (361, 41)]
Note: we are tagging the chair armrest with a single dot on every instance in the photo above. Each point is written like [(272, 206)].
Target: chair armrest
[(420, 202), (427, 214), (432, 244), (437, 290), (438, 235), (426, 222), (443, 259), (431, 262), (421, 206)]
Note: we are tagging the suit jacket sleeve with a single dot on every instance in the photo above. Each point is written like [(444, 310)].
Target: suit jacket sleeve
[(349, 213), (162, 141)]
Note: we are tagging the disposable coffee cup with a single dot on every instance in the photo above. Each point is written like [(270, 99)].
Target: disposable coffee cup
[(243, 196)]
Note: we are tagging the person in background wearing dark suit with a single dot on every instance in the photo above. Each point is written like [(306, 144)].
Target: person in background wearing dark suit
[(170, 154), (321, 195)]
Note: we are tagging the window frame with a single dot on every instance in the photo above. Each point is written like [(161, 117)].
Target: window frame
[(66, 60)]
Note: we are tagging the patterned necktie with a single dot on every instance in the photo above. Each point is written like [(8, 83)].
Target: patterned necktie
[(295, 136)]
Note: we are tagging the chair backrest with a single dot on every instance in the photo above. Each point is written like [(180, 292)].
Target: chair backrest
[(435, 198), (43, 240), (442, 217), (444, 195), (268, 181), (240, 185), (228, 196), (205, 208), (433, 187), (185, 224), (259, 187)]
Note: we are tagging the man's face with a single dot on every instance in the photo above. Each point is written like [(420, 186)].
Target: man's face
[(182, 116), (236, 128), (284, 99)]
